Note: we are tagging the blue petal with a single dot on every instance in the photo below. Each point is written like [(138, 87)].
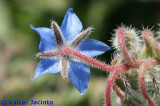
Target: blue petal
[(46, 66), (92, 47), (79, 75), (71, 25), (48, 41)]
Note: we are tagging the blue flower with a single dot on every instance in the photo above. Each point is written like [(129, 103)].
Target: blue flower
[(68, 35)]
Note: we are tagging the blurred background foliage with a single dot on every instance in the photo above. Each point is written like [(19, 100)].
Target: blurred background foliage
[(18, 44)]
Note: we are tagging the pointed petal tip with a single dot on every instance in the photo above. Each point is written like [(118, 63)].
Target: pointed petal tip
[(70, 10), (93, 48), (79, 75), (31, 80), (82, 93), (108, 48), (31, 26)]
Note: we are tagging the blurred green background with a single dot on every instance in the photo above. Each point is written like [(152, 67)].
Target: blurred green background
[(19, 44)]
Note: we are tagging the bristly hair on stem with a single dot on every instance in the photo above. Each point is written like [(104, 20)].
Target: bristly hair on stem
[(142, 70), (138, 63)]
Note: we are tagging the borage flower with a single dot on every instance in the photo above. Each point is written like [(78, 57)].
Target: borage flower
[(68, 35)]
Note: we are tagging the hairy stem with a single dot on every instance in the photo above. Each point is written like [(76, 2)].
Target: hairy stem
[(142, 71), (87, 59), (148, 36), (121, 35), (110, 81), (134, 64)]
